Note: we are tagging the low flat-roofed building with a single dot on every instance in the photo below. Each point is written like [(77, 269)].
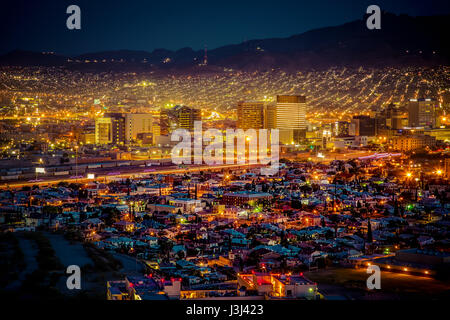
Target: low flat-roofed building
[(187, 205), (275, 285), (244, 197), (162, 208), (144, 288), (295, 286), (116, 290)]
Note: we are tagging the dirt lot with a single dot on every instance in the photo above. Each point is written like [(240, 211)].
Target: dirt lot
[(351, 283)]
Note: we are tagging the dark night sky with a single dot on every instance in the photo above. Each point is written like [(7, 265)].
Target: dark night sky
[(146, 25)]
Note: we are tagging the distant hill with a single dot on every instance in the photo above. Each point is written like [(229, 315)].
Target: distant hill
[(402, 40), (31, 58)]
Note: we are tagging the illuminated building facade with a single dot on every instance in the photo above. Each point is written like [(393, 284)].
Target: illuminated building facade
[(413, 142), (103, 131), (341, 128), (422, 113), (279, 285), (121, 128), (250, 115), (164, 122), (186, 117), (289, 116), (136, 123)]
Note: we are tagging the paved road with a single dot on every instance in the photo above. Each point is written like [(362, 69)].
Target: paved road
[(139, 172)]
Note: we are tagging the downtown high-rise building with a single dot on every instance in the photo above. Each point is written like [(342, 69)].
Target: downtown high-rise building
[(288, 115), (186, 116), (250, 115), (422, 113), (363, 125), (164, 124), (110, 129), (341, 128), (395, 117), (136, 123), (121, 128)]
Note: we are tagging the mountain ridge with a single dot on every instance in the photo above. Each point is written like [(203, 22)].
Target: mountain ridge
[(402, 40)]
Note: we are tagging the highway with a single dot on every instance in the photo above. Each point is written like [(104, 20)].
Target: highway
[(329, 156), (103, 174), (138, 172)]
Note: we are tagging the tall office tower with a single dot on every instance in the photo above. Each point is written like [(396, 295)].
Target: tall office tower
[(250, 115), (341, 128), (446, 102), (186, 117), (392, 117), (136, 123), (290, 114), (156, 132), (121, 128), (103, 131), (270, 116), (363, 126), (110, 129), (422, 113), (164, 122)]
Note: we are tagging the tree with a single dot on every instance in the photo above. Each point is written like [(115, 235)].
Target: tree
[(396, 210), (369, 231), (283, 264), (83, 216), (112, 215), (180, 254), (241, 264), (52, 210), (283, 240), (253, 259), (296, 204), (165, 247)]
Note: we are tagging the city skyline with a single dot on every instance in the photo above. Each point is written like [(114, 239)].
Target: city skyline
[(307, 162)]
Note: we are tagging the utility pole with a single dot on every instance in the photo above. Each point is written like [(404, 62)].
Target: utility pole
[(76, 162)]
